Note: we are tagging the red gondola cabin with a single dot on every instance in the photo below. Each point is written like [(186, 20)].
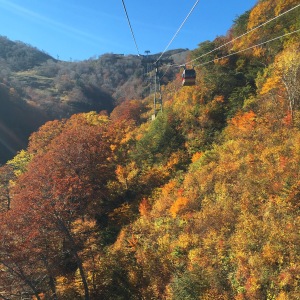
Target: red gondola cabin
[(188, 77)]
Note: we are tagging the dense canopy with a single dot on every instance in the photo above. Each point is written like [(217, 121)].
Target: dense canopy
[(200, 203)]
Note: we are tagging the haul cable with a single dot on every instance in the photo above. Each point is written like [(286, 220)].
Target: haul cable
[(249, 31), (129, 23), (171, 41), (243, 50)]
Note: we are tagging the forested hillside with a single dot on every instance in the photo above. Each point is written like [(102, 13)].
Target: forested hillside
[(200, 203), (58, 89)]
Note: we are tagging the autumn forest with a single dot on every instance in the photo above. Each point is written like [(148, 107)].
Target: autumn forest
[(202, 202)]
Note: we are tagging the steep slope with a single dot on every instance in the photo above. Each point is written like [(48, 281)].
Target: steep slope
[(17, 121), (200, 203)]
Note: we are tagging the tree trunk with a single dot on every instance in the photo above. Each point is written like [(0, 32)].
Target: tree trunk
[(75, 253)]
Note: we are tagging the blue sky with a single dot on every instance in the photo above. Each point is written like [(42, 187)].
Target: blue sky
[(82, 29)]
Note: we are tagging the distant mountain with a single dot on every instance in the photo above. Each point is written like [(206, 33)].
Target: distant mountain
[(58, 89)]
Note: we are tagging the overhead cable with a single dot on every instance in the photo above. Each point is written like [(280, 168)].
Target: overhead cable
[(231, 54), (171, 41), (243, 50), (169, 66), (231, 41), (127, 16)]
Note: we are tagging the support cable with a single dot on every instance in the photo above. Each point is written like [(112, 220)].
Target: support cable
[(127, 16), (243, 50), (177, 31), (231, 41), (249, 31), (169, 66)]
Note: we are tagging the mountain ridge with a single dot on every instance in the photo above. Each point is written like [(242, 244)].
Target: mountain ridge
[(59, 89)]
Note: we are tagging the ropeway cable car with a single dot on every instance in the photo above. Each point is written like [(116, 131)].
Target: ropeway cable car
[(188, 77)]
